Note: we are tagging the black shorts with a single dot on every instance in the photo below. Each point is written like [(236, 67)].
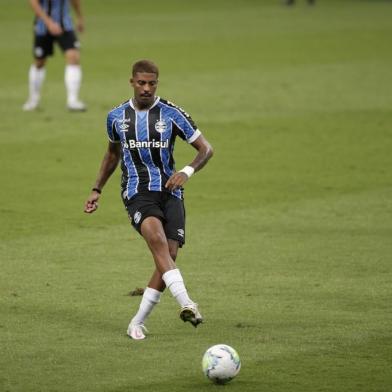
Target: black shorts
[(168, 208), (43, 44)]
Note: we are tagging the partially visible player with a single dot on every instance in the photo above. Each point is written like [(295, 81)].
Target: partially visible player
[(53, 24), (292, 2), (142, 133)]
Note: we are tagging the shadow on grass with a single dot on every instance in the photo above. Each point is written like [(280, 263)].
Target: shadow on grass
[(193, 385)]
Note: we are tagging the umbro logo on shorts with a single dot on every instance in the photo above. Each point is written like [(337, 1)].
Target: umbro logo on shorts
[(180, 232)]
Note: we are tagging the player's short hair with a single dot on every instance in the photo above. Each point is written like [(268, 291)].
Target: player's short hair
[(145, 66)]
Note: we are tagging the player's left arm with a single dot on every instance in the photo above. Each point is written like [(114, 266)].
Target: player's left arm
[(79, 16), (204, 153)]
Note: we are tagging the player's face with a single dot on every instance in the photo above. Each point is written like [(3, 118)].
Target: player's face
[(144, 87)]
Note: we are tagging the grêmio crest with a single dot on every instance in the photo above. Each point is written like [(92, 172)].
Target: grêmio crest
[(160, 126)]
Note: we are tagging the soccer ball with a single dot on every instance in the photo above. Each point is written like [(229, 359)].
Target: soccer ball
[(221, 363)]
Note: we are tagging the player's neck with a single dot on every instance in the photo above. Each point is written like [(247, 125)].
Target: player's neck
[(141, 105)]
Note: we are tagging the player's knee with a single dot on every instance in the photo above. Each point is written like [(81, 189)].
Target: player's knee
[(72, 57), (157, 239), (40, 63)]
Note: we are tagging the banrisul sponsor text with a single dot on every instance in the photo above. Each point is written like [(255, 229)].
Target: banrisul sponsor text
[(146, 144)]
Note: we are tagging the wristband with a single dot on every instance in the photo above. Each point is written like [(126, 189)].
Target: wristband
[(188, 170), (97, 190)]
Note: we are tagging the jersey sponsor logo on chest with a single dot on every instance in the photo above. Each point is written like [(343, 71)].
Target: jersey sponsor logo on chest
[(146, 144)]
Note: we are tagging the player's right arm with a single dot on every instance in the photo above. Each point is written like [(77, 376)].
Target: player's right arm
[(53, 27), (108, 166)]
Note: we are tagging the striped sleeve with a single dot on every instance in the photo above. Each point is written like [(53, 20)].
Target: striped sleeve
[(186, 128), (111, 128)]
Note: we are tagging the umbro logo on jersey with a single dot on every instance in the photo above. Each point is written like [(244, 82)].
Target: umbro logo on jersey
[(160, 126), (124, 124)]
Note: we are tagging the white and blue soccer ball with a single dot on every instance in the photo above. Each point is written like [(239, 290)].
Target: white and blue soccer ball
[(221, 363)]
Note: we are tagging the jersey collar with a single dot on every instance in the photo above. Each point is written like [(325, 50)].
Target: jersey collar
[(137, 110)]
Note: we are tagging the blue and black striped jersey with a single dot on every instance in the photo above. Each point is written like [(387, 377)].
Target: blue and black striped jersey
[(58, 10), (147, 143)]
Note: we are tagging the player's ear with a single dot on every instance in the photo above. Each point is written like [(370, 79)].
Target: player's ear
[(131, 80)]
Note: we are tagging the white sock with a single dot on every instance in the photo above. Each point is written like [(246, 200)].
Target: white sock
[(175, 284), (36, 79), (151, 297), (73, 80)]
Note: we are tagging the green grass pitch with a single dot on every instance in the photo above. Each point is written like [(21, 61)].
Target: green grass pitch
[(289, 227)]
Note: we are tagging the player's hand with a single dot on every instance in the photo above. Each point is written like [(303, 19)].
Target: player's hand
[(176, 181), (80, 25), (91, 204), (54, 28)]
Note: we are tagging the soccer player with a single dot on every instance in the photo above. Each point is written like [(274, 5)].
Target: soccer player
[(142, 132), (52, 24)]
